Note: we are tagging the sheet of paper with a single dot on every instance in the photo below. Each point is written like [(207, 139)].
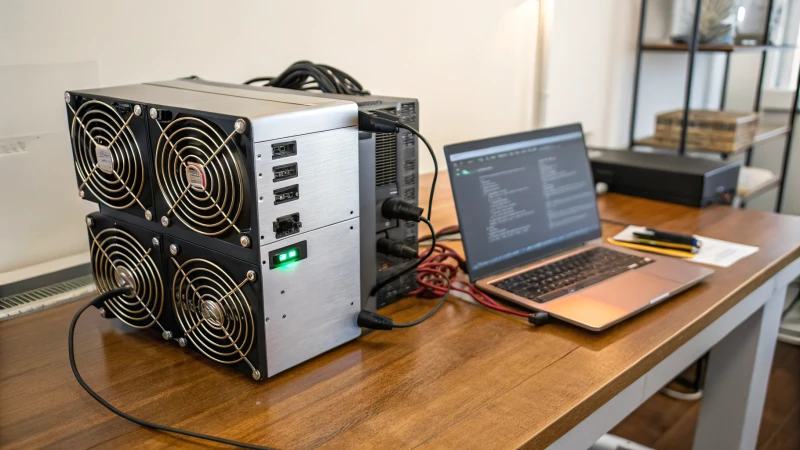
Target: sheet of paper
[(721, 253), (714, 252)]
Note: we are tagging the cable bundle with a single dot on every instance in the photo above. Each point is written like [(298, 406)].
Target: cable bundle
[(433, 273), (307, 76)]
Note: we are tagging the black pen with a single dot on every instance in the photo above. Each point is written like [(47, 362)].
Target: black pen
[(650, 233)]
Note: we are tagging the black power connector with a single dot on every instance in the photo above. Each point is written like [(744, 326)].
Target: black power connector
[(394, 208), (394, 248), (371, 122)]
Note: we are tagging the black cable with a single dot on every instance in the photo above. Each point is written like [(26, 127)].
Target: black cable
[(615, 222), (258, 79), (401, 124), (375, 321), (302, 74), (431, 312), (410, 268), (101, 299)]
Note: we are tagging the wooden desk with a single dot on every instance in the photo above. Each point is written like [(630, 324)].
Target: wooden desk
[(467, 378)]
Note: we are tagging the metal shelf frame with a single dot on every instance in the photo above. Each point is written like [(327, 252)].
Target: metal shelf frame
[(692, 48)]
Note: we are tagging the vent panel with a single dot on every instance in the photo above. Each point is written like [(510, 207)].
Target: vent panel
[(119, 260), (201, 175), (213, 311), (385, 158), (107, 156)]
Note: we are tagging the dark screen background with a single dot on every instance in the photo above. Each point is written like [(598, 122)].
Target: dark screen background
[(524, 200)]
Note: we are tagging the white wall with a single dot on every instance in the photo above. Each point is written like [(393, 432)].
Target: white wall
[(591, 67), (470, 63)]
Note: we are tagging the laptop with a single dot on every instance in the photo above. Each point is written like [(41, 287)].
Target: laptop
[(528, 215)]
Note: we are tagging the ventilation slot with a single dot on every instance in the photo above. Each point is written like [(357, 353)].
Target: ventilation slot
[(408, 112), (46, 296), (385, 158)]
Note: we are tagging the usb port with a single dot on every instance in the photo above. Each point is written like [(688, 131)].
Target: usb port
[(284, 172), (284, 149), (286, 194)]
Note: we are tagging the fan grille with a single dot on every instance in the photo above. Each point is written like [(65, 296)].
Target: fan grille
[(213, 311), (119, 260), (200, 176), (107, 156)]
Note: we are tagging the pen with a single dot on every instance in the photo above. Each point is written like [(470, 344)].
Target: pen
[(651, 249), (650, 233), (663, 244)]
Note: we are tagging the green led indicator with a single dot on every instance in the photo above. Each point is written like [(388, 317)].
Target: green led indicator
[(288, 256)]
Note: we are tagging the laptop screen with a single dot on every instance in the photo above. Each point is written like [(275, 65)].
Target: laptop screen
[(522, 197)]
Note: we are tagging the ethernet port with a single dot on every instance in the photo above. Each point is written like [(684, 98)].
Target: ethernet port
[(284, 149), (286, 225)]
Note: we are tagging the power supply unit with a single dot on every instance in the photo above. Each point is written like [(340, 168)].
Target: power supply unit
[(392, 160), (254, 202)]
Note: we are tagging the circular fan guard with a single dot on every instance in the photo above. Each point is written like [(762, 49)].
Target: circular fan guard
[(98, 124), (118, 260), (213, 311), (200, 176)]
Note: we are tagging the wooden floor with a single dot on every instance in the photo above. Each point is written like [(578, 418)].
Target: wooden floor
[(664, 424)]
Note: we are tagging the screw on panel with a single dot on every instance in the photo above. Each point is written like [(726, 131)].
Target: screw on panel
[(245, 241), (251, 275), (148, 215), (103, 312), (89, 222), (153, 113), (137, 110), (182, 342), (67, 97), (165, 221), (256, 374), (240, 126), (167, 335), (156, 243), (174, 249), (82, 194)]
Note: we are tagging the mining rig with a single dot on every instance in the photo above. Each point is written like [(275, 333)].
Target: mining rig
[(234, 220)]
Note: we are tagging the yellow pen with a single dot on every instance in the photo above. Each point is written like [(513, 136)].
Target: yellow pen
[(647, 248), (686, 247)]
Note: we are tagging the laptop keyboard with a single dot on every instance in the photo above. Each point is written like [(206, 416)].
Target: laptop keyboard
[(549, 282)]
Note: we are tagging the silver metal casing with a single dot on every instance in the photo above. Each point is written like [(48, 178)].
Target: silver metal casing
[(311, 305)]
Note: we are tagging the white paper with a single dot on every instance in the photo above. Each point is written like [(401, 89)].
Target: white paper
[(721, 253), (714, 252)]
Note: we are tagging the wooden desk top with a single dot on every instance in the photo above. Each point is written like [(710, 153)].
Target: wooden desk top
[(467, 378)]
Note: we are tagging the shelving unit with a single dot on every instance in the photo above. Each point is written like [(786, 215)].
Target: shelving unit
[(765, 132)]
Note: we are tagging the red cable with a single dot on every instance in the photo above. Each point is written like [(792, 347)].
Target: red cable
[(430, 276)]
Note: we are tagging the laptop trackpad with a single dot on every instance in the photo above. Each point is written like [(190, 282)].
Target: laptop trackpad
[(631, 291)]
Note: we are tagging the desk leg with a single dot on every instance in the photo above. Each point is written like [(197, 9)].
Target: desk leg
[(736, 383)]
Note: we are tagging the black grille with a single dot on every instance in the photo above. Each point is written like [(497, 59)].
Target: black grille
[(385, 158), (408, 111)]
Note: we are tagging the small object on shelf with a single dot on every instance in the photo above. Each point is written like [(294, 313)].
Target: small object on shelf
[(724, 131), (764, 132), (717, 21), (754, 180)]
